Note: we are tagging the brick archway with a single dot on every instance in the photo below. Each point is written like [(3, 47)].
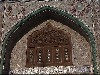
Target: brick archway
[(36, 18)]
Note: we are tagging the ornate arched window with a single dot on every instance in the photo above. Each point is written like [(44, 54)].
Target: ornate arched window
[(48, 46)]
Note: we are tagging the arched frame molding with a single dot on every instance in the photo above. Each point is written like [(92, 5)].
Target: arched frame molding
[(34, 19)]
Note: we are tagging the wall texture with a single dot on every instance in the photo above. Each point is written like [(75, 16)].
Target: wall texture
[(86, 10)]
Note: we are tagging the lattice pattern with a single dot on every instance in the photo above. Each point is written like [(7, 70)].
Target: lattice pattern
[(48, 36), (49, 47)]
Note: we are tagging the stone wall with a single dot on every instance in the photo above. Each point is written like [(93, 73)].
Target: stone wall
[(86, 10), (16, 11), (0, 31), (96, 23)]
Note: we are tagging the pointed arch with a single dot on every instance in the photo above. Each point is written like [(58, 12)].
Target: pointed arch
[(35, 18)]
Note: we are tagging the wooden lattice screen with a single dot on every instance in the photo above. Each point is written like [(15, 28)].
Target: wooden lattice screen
[(48, 46)]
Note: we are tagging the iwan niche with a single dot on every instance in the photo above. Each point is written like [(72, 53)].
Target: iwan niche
[(51, 47)]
